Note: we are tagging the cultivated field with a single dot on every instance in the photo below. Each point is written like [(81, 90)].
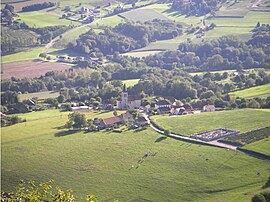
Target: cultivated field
[(261, 146), (43, 19), (106, 163), (30, 68), (242, 119), (111, 21), (257, 91), (39, 95), (143, 15)]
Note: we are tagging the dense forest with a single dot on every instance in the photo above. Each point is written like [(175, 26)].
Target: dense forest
[(196, 7), (223, 53), (126, 37)]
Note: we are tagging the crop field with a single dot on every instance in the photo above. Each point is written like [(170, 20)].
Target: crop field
[(241, 119), (257, 91), (165, 10), (261, 146), (30, 68), (111, 21), (130, 82), (106, 164), (43, 19), (143, 15), (39, 95)]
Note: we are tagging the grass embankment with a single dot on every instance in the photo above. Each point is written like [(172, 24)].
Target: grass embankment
[(257, 91), (101, 163), (39, 95), (261, 146), (243, 120)]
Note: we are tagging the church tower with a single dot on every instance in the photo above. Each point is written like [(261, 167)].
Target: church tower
[(124, 97)]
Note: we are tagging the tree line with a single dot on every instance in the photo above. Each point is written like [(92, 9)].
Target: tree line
[(36, 7), (126, 37), (224, 53)]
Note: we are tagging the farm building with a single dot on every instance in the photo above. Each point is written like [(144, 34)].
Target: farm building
[(208, 108), (108, 122), (163, 104)]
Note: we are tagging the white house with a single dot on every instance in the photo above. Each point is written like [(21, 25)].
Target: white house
[(162, 104)]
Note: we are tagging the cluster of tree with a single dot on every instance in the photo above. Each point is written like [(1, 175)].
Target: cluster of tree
[(11, 120), (16, 40), (262, 197), (36, 7), (21, 36), (7, 14), (44, 191), (220, 54), (260, 38), (126, 37), (46, 34), (196, 7)]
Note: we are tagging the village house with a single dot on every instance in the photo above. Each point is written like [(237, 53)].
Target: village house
[(208, 108), (128, 101), (111, 121), (178, 111), (30, 103), (163, 104), (126, 117)]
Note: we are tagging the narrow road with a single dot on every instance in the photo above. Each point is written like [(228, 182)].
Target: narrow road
[(211, 143), (53, 41)]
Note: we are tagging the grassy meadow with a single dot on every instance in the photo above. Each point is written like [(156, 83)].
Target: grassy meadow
[(240, 119), (106, 163), (29, 54), (130, 82), (39, 95), (261, 146), (43, 19), (257, 91)]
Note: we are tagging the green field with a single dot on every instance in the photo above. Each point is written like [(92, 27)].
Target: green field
[(40, 95), (130, 82), (42, 19), (111, 21), (261, 146), (24, 55), (71, 36), (243, 120), (143, 15), (101, 163), (257, 91)]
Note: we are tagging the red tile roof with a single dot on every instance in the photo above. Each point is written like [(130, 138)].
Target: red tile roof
[(112, 120)]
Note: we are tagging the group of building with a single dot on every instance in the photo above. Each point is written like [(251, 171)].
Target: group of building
[(164, 105)]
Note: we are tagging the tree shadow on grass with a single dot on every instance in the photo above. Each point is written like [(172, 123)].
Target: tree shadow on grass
[(65, 133), (160, 139)]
